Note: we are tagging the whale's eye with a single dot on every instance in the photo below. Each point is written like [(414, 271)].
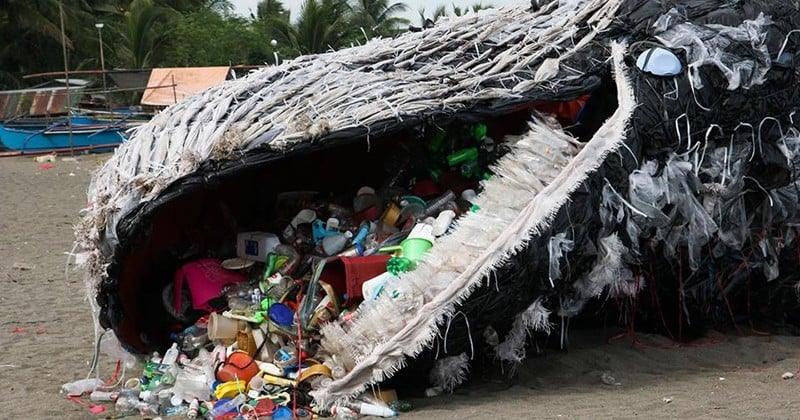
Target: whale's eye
[(659, 62)]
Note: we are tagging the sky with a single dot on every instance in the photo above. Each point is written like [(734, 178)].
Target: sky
[(244, 7)]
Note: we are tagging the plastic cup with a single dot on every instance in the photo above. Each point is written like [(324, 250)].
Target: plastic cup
[(422, 231), (304, 216), (414, 248), (221, 327)]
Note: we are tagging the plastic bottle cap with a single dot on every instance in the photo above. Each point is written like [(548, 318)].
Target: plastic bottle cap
[(281, 314)]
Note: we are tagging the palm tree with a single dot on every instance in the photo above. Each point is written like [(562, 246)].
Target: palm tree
[(271, 9), (30, 40), (377, 17), (322, 25), (142, 30)]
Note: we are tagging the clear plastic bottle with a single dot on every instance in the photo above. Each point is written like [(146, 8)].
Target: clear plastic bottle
[(227, 406), (194, 409), (171, 356), (103, 396), (81, 386), (169, 377)]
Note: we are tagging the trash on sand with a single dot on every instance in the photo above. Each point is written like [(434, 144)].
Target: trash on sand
[(609, 380), (23, 266), (45, 158), (787, 375), (666, 400)]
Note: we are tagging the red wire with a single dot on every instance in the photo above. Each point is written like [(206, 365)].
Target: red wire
[(114, 376), (680, 294), (299, 364)]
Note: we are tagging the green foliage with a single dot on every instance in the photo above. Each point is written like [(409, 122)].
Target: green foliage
[(30, 39), (144, 25), (378, 17), (206, 38), (157, 33), (322, 25)]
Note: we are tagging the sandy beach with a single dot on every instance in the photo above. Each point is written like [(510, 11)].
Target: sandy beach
[(46, 336)]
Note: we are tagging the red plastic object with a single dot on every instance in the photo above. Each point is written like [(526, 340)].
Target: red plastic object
[(369, 213), (206, 279), (239, 365), (347, 274), (426, 189)]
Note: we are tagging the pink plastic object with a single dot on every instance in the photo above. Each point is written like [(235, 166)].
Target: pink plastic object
[(206, 278)]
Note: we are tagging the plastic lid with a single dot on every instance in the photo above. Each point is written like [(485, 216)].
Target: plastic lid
[(282, 412), (281, 314), (660, 62)]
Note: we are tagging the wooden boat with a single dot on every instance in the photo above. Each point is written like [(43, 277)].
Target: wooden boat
[(83, 134)]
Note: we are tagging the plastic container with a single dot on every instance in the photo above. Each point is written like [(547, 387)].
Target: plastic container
[(221, 327), (373, 287), (256, 245), (334, 244)]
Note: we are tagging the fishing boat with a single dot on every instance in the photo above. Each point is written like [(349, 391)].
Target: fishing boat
[(76, 134)]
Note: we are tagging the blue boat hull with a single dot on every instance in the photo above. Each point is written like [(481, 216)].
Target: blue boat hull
[(82, 136)]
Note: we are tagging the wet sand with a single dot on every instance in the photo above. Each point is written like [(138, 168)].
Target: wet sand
[(46, 337)]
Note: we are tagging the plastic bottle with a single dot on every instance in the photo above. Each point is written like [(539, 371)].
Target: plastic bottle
[(171, 356), (110, 346), (169, 377), (367, 409), (332, 245), (363, 230), (435, 206), (227, 406), (194, 408), (81, 386), (103, 396), (173, 411)]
